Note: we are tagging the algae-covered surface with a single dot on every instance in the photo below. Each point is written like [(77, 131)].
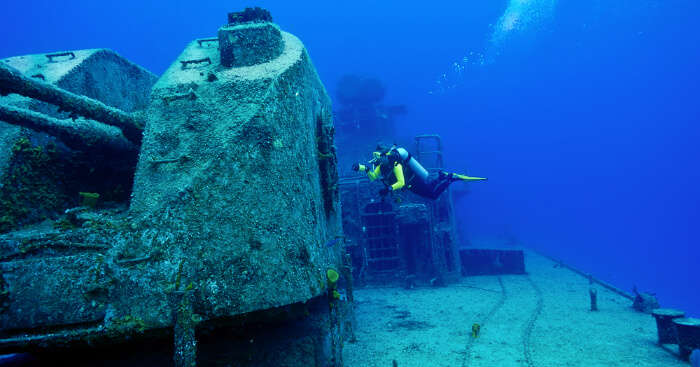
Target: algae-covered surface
[(233, 203), (540, 319)]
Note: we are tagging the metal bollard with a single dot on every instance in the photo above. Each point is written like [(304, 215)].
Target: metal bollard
[(664, 324)]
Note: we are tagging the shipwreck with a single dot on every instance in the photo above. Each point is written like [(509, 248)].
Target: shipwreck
[(217, 191)]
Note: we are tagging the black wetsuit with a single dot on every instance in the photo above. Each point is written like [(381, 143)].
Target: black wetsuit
[(432, 188)]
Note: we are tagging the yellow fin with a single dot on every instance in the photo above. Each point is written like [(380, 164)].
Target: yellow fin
[(468, 178)]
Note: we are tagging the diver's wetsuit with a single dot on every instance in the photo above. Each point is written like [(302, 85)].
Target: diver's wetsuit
[(432, 188), (398, 169)]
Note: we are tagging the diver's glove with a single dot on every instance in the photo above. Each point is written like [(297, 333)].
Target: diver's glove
[(355, 166), (384, 192)]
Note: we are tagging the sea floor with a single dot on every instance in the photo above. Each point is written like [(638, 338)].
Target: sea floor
[(541, 319)]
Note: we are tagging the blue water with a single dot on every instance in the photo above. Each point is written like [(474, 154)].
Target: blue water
[(583, 114)]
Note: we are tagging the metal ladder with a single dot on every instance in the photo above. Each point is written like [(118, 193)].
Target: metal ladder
[(445, 256), (381, 246), (436, 153)]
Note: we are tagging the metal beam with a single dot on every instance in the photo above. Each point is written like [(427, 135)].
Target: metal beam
[(13, 81), (79, 134)]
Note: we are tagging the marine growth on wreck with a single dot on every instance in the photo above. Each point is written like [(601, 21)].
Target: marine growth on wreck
[(188, 235)]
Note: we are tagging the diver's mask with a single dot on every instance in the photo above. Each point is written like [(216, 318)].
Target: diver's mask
[(376, 156)]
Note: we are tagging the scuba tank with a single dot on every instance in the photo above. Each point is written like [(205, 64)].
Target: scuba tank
[(408, 160)]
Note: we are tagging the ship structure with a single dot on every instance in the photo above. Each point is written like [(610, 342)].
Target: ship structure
[(402, 238), (209, 217), (214, 217)]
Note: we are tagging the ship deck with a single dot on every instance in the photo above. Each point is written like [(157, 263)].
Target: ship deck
[(541, 319)]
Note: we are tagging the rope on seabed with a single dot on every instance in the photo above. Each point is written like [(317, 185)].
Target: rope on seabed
[(492, 311), (527, 331)]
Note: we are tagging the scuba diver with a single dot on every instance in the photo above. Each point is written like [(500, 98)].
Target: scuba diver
[(397, 169)]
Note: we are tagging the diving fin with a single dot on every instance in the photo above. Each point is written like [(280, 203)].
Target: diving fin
[(468, 178)]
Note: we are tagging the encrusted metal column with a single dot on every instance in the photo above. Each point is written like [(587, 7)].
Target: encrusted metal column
[(184, 331), (250, 38)]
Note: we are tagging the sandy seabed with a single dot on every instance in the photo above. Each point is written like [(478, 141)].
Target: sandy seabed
[(541, 319)]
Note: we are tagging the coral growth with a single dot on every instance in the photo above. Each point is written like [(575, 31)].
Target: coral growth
[(26, 194), (250, 15), (327, 162), (89, 199), (332, 277)]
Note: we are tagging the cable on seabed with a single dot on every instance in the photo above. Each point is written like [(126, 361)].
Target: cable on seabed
[(527, 331), (492, 311)]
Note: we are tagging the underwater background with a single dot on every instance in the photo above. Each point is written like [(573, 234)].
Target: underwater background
[(582, 114)]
